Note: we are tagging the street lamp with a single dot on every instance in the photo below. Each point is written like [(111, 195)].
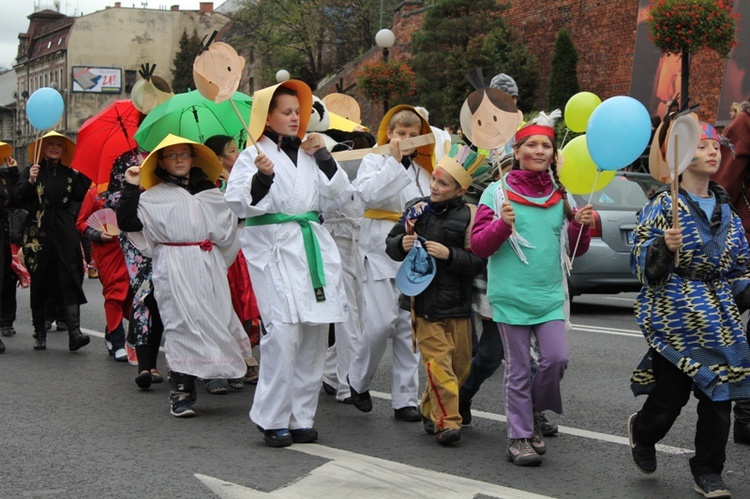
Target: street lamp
[(282, 75), (385, 40)]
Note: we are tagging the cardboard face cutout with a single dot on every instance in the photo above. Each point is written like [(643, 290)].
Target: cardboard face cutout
[(150, 91), (343, 105), (217, 71), (489, 118)]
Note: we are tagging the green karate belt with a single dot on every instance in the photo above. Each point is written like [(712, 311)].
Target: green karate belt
[(312, 247)]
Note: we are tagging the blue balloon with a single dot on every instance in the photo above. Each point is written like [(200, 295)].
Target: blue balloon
[(44, 108), (618, 132)]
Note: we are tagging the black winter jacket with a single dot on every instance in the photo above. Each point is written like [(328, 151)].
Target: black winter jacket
[(449, 293)]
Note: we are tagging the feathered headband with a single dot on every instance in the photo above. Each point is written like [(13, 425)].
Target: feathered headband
[(544, 124), (461, 163)]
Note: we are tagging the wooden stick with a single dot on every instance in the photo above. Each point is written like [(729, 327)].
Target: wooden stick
[(414, 142), (37, 148), (247, 128), (676, 195), (591, 196)]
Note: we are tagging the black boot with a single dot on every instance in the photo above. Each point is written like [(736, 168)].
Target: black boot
[(742, 422), (76, 339), (40, 331)]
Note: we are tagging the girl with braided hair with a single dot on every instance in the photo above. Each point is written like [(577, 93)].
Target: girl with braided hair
[(526, 228)]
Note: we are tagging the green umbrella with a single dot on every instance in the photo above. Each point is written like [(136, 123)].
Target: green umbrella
[(192, 116)]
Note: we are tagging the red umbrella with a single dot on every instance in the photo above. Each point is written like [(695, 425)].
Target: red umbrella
[(104, 137)]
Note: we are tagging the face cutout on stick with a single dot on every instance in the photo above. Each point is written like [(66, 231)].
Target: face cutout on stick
[(217, 71), (489, 118)]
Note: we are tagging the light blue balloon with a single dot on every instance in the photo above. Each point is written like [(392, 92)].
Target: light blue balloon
[(618, 132), (44, 108)]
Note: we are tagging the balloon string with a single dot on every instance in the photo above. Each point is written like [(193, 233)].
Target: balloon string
[(591, 196), (565, 137), (250, 135)]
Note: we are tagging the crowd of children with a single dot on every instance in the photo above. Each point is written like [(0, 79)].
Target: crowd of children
[(221, 239)]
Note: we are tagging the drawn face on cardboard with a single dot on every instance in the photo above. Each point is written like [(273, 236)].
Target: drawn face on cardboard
[(489, 118), (217, 71)]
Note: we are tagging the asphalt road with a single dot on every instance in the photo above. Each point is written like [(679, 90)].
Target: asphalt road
[(74, 425)]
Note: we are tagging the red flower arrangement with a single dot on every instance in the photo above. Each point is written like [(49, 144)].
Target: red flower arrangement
[(687, 26), (386, 80)]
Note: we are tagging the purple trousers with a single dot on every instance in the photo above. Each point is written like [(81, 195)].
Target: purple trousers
[(523, 393)]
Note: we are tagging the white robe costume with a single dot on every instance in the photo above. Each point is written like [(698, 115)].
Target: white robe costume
[(343, 224), (384, 184), (293, 348), (203, 336)]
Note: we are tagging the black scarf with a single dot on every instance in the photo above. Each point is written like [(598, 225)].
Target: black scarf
[(290, 145)]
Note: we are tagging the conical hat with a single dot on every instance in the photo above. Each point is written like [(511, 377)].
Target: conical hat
[(262, 101), (6, 151), (205, 159), (425, 154), (67, 156)]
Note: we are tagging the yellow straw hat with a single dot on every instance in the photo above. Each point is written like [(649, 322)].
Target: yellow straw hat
[(6, 151), (205, 159), (262, 102), (67, 156), (425, 154)]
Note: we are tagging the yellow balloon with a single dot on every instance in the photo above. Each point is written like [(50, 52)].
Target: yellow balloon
[(580, 175), (578, 110)]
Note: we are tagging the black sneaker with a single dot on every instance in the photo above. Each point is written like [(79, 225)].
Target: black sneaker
[(464, 409), (548, 429), (182, 409), (711, 486), (304, 435), (408, 413), (328, 389), (361, 401), (428, 425), (7, 331), (643, 456), (277, 438)]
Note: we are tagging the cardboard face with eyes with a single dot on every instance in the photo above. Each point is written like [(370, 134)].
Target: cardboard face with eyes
[(217, 71), (150, 90), (489, 118)]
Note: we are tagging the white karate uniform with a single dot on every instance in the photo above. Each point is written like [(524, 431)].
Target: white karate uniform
[(384, 184), (344, 225), (293, 348), (203, 336)]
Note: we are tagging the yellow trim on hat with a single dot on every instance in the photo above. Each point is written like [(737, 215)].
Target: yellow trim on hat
[(205, 159), (262, 102)]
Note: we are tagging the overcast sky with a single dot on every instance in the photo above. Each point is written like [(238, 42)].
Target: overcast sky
[(14, 13)]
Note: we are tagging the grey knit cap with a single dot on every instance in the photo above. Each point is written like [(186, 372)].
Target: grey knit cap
[(506, 83)]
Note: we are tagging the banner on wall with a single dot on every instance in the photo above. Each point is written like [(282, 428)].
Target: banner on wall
[(735, 87), (97, 80)]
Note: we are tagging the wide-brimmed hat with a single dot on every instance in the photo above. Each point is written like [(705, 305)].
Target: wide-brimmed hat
[(6, 151), (262, 102), (425, 154), (67, 156), (205, 159), (416, 271)]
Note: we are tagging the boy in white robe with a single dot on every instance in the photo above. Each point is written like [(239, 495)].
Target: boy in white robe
[(386, 183), (190, 232), (280, 186)]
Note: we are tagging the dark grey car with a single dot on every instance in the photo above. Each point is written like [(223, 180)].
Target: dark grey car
[(605, 268)]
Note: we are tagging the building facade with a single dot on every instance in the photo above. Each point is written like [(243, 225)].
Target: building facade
[(94, 59)]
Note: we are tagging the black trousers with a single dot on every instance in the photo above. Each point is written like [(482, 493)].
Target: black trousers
[(7, 289), (664, 403)]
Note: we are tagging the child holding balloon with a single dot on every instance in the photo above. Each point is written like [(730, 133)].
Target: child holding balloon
[(690, 316), (525, 285)]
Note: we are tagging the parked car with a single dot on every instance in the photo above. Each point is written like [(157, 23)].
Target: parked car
[(605, 268)]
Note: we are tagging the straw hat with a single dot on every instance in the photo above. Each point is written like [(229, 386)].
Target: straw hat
[(67, 156), (262, 102), (205, 159), (6, 151), (425, 154)]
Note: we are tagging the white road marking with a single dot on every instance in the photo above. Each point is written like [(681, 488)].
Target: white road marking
[(603, 437), (607, 330), (619, 298), (371, 478)]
